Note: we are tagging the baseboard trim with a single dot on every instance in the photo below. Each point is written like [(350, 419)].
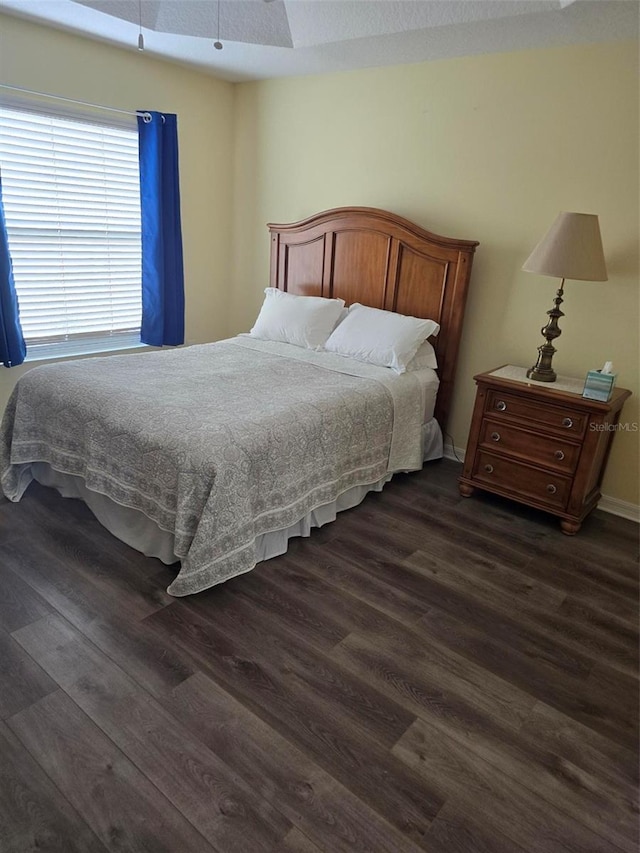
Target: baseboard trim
[(624, 509), (455, 454)]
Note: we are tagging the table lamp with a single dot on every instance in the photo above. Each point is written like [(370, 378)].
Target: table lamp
[(571, 248)]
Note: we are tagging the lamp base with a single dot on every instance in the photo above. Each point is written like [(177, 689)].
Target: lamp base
[(542, 370), (541, 374)]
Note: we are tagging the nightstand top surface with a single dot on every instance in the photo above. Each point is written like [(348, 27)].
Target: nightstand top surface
[(567, 388), (568, 384)]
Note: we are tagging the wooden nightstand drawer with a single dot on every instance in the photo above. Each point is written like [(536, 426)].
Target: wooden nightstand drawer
[(546, 450), (560, 419), (543, 487)]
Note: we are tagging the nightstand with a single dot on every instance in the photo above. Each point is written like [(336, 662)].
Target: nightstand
[(544, 445)]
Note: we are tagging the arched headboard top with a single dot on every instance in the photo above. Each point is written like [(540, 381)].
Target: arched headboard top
[(371, 256), (357, 215)]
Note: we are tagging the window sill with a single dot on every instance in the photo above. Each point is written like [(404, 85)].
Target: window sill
[(81, 347)]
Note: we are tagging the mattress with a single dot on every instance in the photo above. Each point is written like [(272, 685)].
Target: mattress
[(228, 448)]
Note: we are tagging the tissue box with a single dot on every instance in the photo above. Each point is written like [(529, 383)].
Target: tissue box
[(599, 386)]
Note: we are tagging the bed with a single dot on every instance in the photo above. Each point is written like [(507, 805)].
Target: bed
[(215, 455)]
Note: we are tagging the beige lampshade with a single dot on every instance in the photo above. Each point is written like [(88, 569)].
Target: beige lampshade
[(571, 248)]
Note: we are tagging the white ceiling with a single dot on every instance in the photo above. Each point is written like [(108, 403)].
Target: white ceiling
[(290, 37)]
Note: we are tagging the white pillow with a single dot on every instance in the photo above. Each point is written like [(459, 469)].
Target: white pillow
[(305, 321), (425, 357), (380, 337)]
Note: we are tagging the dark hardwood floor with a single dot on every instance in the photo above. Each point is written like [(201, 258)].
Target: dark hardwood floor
[(428, 673)]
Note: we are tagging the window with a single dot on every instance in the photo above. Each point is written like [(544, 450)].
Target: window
[(72, 206)]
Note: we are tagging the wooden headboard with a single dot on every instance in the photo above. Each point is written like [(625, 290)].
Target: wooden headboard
[(361, 254)]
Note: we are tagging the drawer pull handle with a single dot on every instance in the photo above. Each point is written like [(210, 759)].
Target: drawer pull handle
[(488, 469), (567, 422), (495, 436), (559, 455), (551, 489), (501, 406)]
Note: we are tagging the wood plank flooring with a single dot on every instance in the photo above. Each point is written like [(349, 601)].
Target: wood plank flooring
[(428, 673)]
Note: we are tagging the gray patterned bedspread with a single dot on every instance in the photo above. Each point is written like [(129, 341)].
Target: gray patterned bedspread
[(217, 443)]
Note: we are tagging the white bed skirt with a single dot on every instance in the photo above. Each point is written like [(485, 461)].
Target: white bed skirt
[(142, 533)]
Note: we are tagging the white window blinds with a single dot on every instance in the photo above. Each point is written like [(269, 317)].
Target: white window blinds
[(72, 204)]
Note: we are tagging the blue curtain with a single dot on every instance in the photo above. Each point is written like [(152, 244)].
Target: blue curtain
[(162, 271), (12, 346)]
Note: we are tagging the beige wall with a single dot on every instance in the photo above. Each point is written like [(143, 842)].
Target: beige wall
[(52, 61), (488, 148)]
